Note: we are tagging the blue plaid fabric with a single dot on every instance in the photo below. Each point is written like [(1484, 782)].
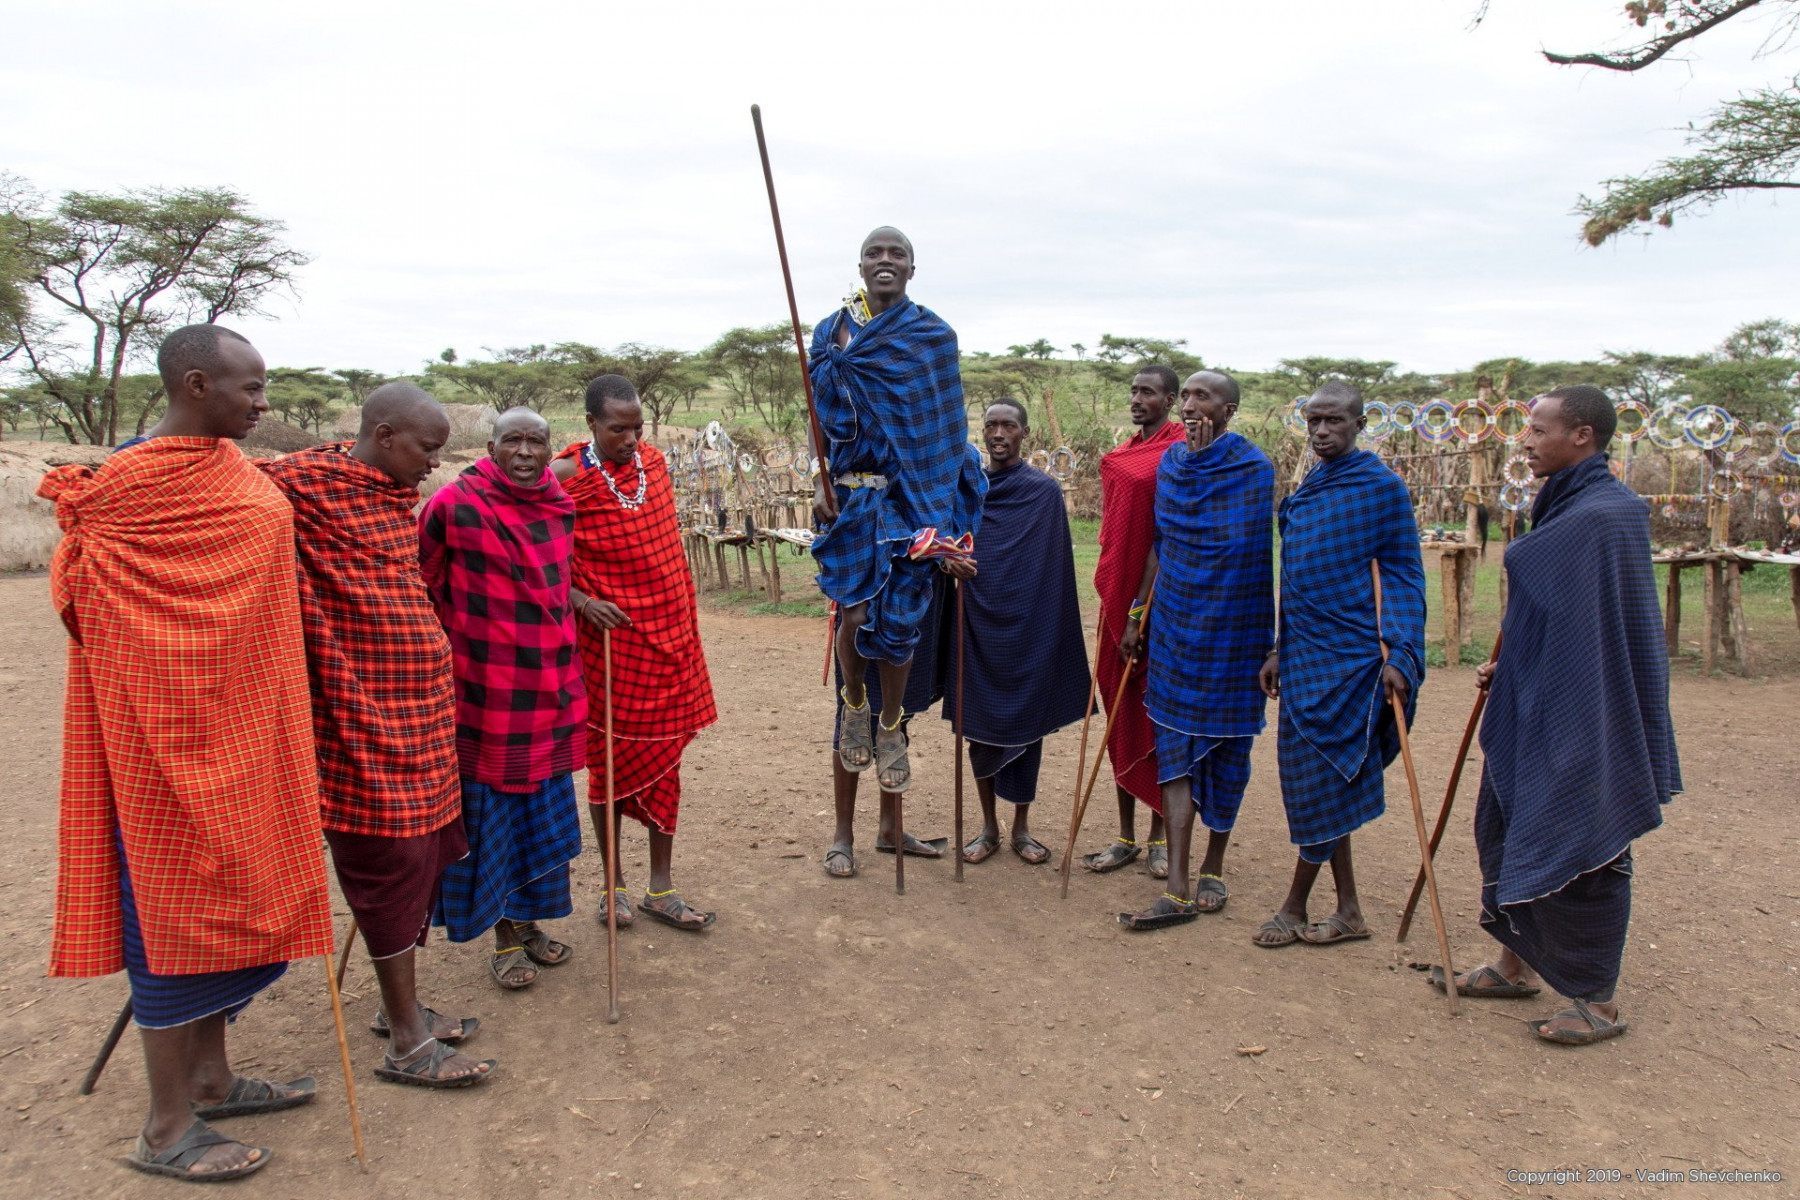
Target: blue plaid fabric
[(1336, 729), (1575, 936), (1213, 619), (1578, 745), (165, 1001), (891, 403), (520, 847), (1014, 769), (1217, 770)]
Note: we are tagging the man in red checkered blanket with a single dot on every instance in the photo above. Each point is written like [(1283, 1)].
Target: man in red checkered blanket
[(631, 577), (384, 706)]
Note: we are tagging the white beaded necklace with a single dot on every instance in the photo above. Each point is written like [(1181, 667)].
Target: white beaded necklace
[(632, 502)]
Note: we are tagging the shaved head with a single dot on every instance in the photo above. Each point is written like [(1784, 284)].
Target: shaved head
[(520, 418), (888, 231), (193, 348), (403, 406)]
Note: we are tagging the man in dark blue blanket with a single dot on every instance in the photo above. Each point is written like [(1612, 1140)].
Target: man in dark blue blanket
[(1211, 628), (889, 394), (1026, 669), (1337, 734), (1578, 746)]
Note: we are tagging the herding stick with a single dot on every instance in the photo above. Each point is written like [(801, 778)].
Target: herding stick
[(106, 1048), (337, 1016), (1081, 804), (1443, 819), (1087, 715), (1418, 806), (612, 843), (959, 730)]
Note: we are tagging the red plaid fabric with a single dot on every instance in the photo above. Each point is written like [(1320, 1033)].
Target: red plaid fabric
[(661, 693), (1127, 525), (383, 688), (187, 730), (495, 557)]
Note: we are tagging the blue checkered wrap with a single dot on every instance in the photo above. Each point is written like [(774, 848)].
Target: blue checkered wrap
[(1213, 617), (1336, 729), (1014, 769), (891, 403), (1217, 771), (1577, 740), (520, 847), (1575, 936)]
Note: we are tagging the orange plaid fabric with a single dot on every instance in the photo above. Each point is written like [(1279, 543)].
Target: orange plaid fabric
[(187, 729)]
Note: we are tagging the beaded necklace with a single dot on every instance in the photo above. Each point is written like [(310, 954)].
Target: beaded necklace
[(626, 502)]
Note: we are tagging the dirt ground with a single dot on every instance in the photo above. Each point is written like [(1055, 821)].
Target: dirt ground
[(987, 1039)]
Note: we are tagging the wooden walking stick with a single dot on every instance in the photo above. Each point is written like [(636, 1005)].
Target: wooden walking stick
[(1443, 818), (612, 842), (1084, 795), (106, 1048), (344, 956), (1418, 806), (959, 730), (337, 1016)]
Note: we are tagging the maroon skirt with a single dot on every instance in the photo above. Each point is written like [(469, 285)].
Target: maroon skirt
[(391, 883)]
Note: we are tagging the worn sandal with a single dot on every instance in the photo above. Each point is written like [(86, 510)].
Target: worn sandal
[(1598, 1027), (425, 1068), (505, 966), (1122, 853), (1501, 988), (856, 731), (379, 1026), (1168, 910), (1031, 850), (1336, 930), (1286, 932), (177, 1162), (1158, 859), (890, 758), (250, 1096), (625, 917), (845, 854), (1210, 894), (980, 848), (676, 910), (540, 947)]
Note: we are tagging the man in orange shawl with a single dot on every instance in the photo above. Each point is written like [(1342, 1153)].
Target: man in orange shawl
[(1127, 523), (384, 707), (188, 848), (631, 577)]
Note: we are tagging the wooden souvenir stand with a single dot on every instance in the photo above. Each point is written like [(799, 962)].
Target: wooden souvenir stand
[(1726, 633)]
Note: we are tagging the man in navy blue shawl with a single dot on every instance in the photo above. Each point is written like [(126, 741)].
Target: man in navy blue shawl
[(1336, 734), (1579, 752), (889, 393), (1212, 623), (1026, 668)]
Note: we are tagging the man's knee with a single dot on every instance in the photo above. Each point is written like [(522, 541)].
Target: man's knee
[(855, 617)]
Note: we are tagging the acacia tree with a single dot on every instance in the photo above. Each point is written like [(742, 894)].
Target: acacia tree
[(108, 273), (1751, 143), (761, 371), (661, 376), (516, 377)]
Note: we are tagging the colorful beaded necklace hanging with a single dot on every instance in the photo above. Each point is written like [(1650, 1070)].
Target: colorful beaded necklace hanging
[(626, 502)]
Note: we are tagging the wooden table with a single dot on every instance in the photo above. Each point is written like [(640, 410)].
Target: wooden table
[(1727, 634)]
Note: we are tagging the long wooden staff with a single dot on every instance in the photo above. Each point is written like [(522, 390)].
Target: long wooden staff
[(337, 1016), (106, 1049), (1443, 818), (1081, 802), (1418, 805), (612, 842), (959, 730), (1087, 716)]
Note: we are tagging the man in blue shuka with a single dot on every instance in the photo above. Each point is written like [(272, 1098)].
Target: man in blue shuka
[(1336, 732), (889, 395)]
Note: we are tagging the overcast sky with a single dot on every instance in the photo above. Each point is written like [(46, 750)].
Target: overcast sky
[(1266, 180)]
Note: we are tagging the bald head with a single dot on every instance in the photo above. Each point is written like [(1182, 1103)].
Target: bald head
[(886, 267), (521, 447), (403, 430), (520, 419), (888, 233)]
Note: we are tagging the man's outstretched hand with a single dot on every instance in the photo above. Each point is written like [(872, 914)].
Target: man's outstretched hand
[(825, 507)]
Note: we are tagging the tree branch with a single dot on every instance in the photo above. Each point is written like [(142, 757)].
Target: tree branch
[(1705, 15)]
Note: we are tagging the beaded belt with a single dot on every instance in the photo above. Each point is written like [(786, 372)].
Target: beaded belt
[(861, 479)]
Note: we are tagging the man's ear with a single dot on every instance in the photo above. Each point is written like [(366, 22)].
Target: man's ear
[(195, 382)]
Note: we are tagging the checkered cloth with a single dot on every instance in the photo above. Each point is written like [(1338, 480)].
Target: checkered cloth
[(1217, 770), (496, 559), (1213, 619), (1336, 727), (1127, 527), (520, 848), (891, 403), (1578, 745), (661, 692), (1026, 666), (383, 688), (1575, 936), (187, 728)]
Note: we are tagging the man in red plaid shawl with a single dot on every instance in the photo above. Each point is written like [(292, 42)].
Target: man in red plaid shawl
[(384, 706), (494, 547), (631, 577)]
